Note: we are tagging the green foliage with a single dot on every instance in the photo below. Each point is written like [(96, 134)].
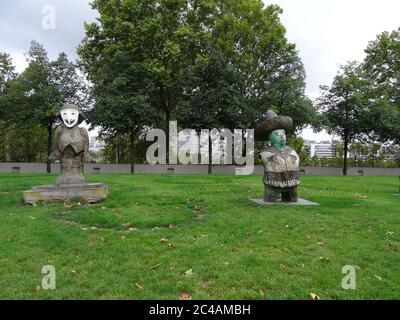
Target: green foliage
[(117, 149), (46, 85), (22, 143), (122, 103), (297, 143), (7, 71), (6, 75), (169, 42), (382, 64), (213, 96), (34, 97), (344, 106)]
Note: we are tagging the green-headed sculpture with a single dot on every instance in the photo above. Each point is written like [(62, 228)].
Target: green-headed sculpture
[(281, 163)]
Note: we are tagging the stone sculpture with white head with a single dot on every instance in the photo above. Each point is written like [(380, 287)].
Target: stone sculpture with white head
[(71, 146), (281, 163)]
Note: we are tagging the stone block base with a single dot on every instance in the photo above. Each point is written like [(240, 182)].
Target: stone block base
[(300, 202), (86, 193)]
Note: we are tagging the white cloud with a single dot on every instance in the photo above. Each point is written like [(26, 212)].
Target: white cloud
[(329, 33)]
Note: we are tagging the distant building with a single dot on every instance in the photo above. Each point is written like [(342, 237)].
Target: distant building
[(322, 149), (96, 144)]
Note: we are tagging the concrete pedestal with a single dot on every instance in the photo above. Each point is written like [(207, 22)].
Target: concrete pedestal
[(86, 193), (300, 202)]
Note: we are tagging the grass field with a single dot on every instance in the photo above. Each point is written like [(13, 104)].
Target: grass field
[(199, 236)]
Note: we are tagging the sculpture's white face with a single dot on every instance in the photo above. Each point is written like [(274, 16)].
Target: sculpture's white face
[(70, 117)]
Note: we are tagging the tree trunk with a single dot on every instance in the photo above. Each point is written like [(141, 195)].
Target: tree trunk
[(165, 99), (27, 147), (345, 149), (167, 118), (49, 147), (118, 149), (7, 148), (210, 156), (132, 152)]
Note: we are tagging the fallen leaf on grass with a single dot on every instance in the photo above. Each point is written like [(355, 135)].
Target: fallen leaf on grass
[(138, 285), (314, 296), (359, 196), (189, 273), (163, 240), (184, 296), (155, 266)]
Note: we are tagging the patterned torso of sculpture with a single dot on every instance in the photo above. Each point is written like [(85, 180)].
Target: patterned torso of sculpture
[(281, 167), (71, 146), (281, 163)]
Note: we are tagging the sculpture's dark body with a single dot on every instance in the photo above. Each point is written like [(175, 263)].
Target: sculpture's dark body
[(71, 148)]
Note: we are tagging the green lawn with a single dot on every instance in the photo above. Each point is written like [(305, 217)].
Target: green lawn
[(167, 236)]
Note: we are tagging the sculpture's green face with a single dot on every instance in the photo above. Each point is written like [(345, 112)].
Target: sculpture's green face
[(278, 139)]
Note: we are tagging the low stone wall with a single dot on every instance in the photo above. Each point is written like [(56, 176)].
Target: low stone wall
[(188, 169)]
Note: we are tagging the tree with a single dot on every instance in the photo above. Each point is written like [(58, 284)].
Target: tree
[(22, 143), (168, 37), (297, 143), (7, 74), (344, 107), (382, 64), (122, 104), (252, 38), (118, 150), (7, 71), (38, 92), (213, 97), (285, 91), (154, 34)]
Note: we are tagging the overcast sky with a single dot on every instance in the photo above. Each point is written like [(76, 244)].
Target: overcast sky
[(327, 33)]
